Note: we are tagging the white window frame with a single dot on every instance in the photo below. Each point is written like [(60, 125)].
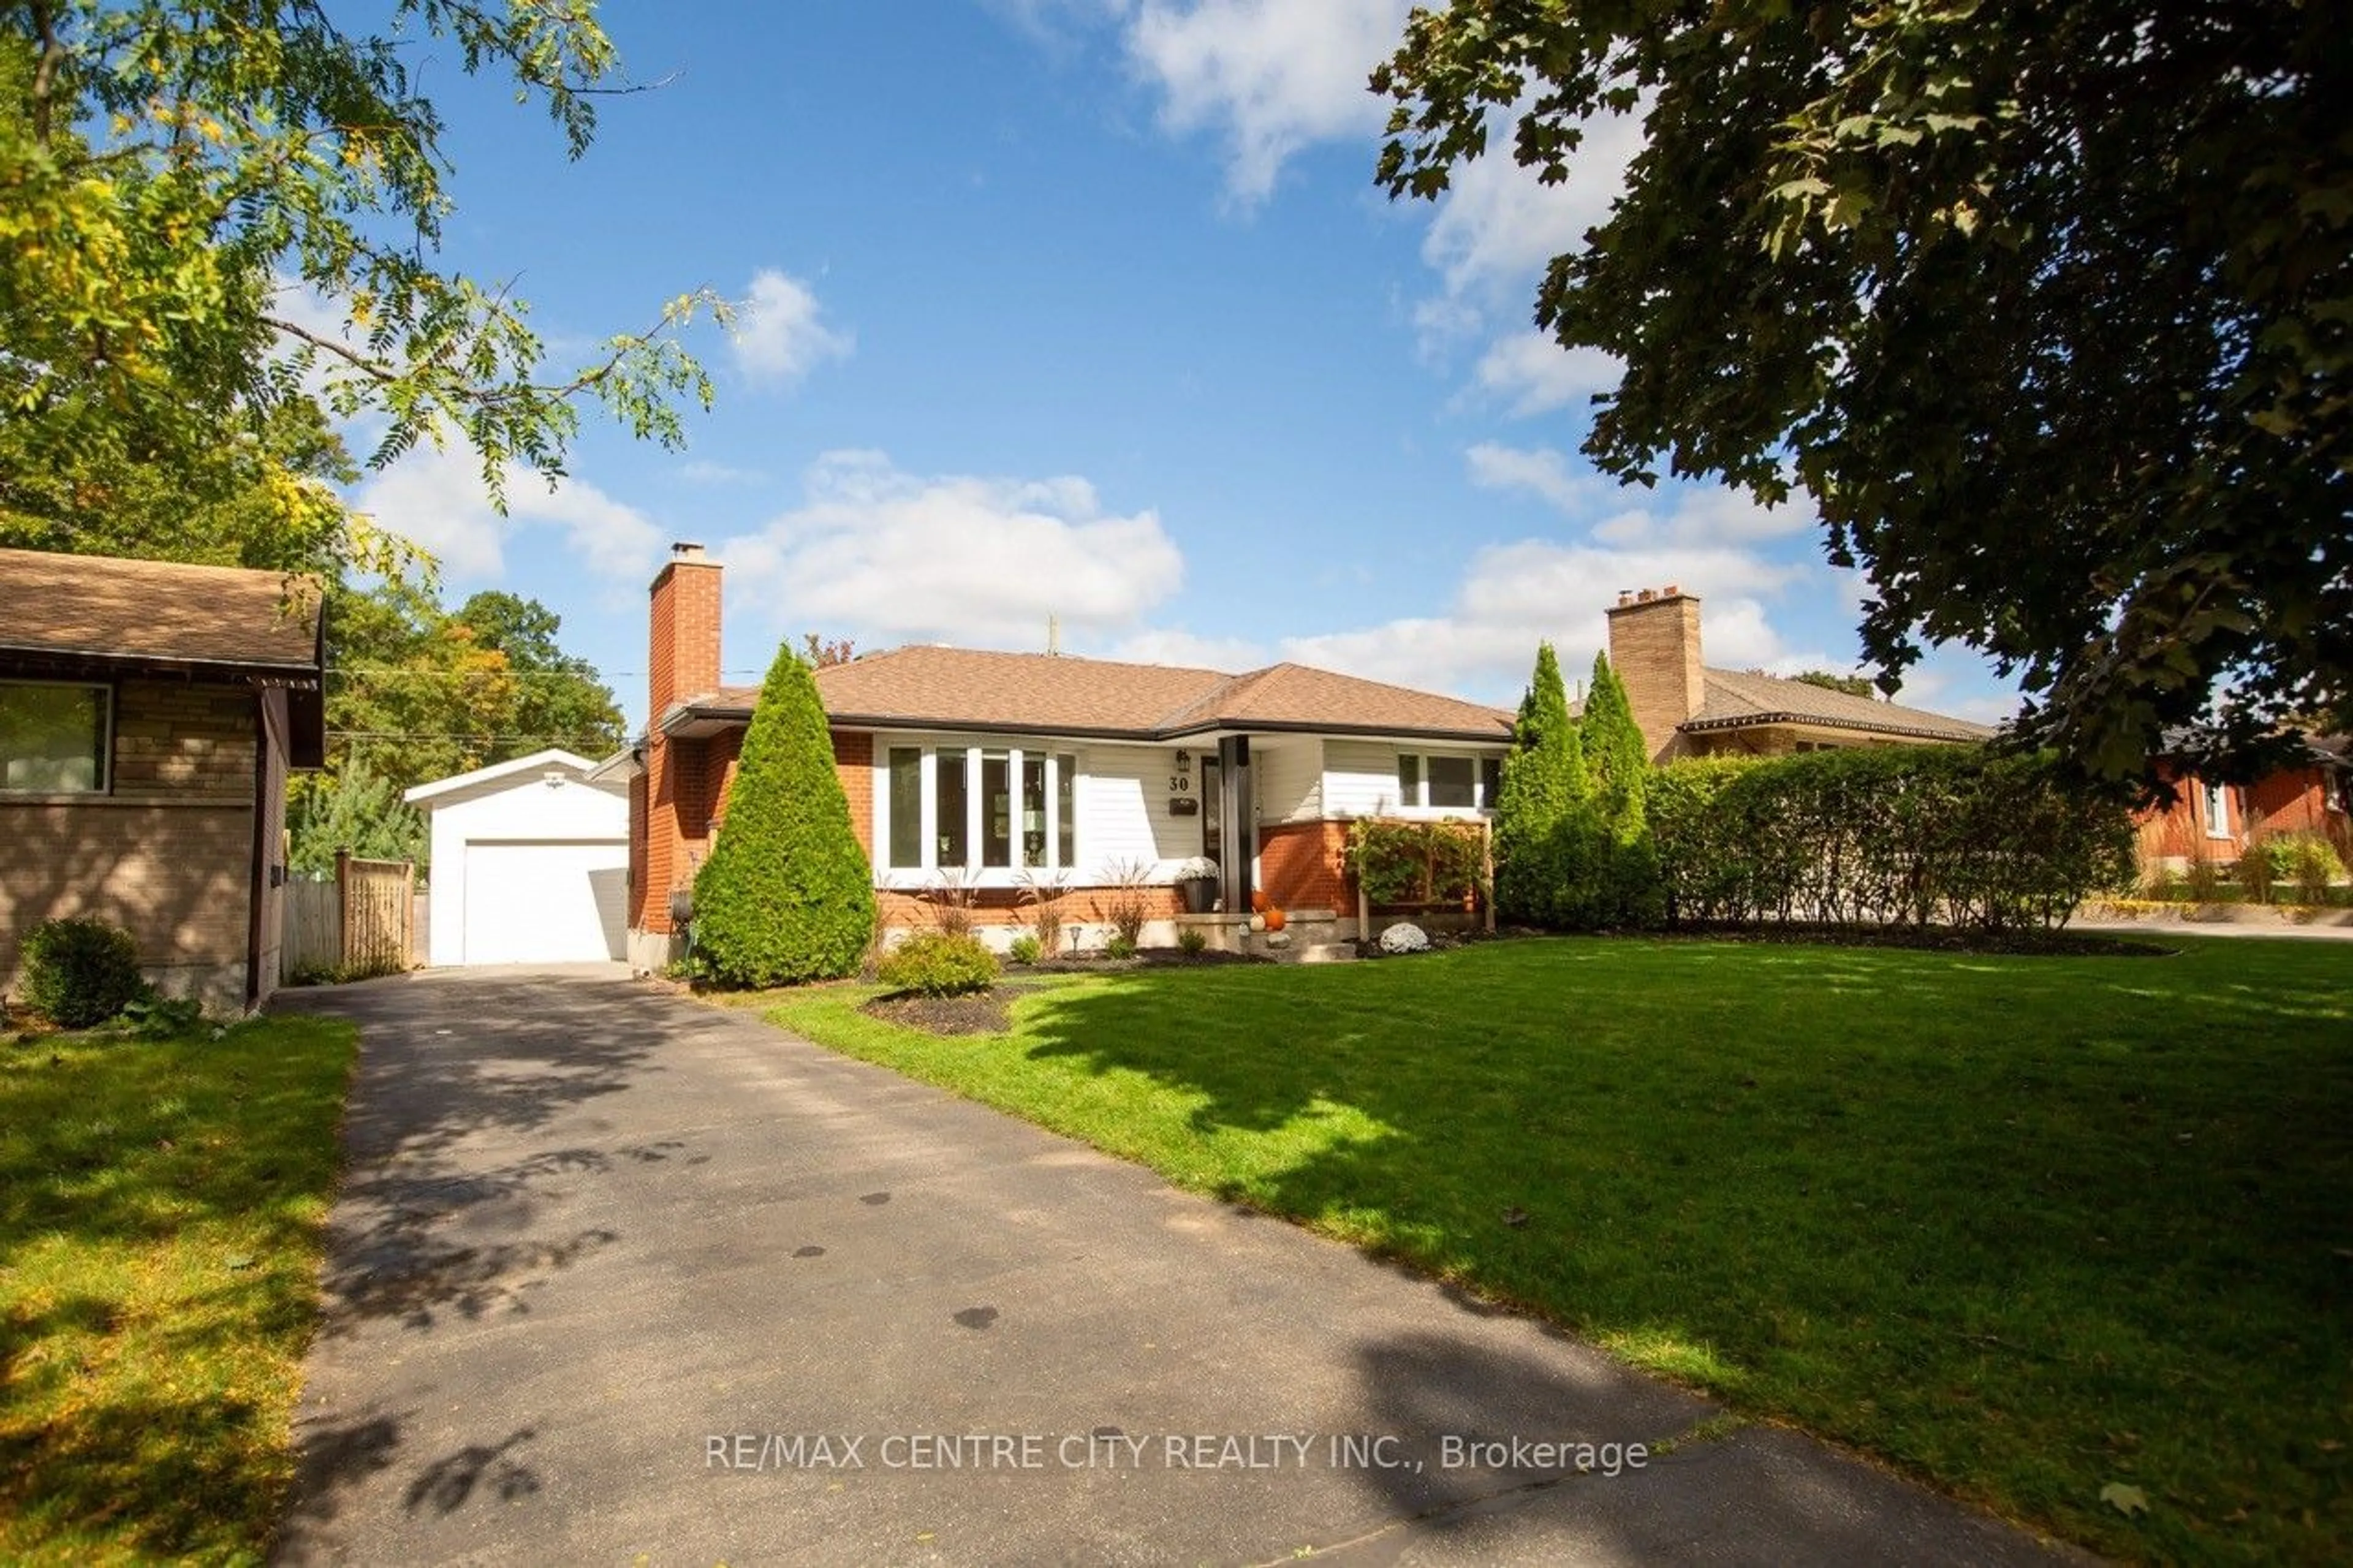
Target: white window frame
[(105, 784), (2337, 792), (2215, 801), (1479, 805), (975, 809)]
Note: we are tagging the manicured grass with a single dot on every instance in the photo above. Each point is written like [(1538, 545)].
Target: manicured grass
[(2022, 1226), (161, 1213)]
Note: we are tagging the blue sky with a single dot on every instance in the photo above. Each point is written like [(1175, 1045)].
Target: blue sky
[(1089, 310)]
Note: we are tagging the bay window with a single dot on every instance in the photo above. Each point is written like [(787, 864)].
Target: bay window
[(974, 808)]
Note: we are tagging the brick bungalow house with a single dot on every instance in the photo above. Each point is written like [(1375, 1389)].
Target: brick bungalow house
[(149, 714), (1686, 709), (2212, 821), (982, 767)]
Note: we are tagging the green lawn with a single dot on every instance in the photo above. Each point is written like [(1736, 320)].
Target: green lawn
[(2023, 1227), (161, 1212)]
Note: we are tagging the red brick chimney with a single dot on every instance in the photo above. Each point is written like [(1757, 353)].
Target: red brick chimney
[(683, 655), (1654, 646), (682, 663)]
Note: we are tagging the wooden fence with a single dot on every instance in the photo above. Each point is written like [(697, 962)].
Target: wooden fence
[(360, 923)]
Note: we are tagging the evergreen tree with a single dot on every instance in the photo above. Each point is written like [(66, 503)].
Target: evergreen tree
[(1624, 862), (354, 809), (787, 894), (1544, 787)]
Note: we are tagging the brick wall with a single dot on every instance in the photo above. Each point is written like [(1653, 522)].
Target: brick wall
[(683, 660), (167, 855), (176, 742), (1654, 646), (1302, 866), (853, 759)]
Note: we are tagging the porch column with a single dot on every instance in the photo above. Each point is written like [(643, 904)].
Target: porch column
[(1236, 823)]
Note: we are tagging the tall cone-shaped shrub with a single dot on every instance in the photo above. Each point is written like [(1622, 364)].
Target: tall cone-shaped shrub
[(1624, 878), (1543, 787), (787, 895)]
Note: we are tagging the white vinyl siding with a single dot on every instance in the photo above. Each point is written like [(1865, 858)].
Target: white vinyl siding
[(1123, 812), (1359, 778), (1290, 779)]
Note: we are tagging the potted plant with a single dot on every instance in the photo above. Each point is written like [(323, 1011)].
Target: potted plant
[(1198, 880)]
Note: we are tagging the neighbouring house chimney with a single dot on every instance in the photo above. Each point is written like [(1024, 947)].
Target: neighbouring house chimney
[(1654, 646), (684, 651)]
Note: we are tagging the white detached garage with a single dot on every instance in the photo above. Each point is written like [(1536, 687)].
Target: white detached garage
[(531, 863)]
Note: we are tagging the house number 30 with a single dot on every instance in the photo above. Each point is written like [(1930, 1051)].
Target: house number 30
[(1180, 783)]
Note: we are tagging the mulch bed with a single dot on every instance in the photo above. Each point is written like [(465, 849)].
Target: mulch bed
[(983, 1012)]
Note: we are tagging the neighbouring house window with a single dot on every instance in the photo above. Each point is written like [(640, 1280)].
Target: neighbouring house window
[(975, 809), (2217, 811), (906, 805), (53, 738), (2339, 792), (1439, 781)]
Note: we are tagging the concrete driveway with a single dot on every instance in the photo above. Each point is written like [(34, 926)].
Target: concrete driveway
[(617, 1277)]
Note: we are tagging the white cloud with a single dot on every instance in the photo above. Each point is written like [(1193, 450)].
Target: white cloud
[(1498, 225), (1497, 228), (887, 557), (1629, 515), (1702, 539), (701, 471), (780, 336), (1512, 597), (1174, 645), (434, 498), (1536, 373), (1541, 471), (1272, 76)]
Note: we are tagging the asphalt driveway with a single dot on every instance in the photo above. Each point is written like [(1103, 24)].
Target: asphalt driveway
[(618, 1276)]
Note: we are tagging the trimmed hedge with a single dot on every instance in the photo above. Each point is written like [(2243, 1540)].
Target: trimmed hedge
[(938, 963), (80, 972), (788, 895), (1884, 835)]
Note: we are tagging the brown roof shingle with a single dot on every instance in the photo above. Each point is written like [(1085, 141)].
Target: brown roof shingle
[(100, 606), (1736, 697), (929, 686)]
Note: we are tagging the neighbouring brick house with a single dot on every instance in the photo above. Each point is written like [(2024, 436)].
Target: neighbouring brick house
[(2209, 820), (982, 767), (149, 714), (1686, 709)]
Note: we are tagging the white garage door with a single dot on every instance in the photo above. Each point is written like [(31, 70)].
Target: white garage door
[(546, 902)]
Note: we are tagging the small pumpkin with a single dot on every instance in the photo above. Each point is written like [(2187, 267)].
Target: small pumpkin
[(1258, 900), (1274, 917)]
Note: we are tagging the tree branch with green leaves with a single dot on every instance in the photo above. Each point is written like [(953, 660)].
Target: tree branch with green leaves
[(2049, 308)]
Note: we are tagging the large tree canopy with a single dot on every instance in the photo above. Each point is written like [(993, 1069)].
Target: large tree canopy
[(2049, 307), (202, 205)]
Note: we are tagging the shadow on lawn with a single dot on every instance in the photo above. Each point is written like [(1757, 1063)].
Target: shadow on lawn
[(1859, 1186)]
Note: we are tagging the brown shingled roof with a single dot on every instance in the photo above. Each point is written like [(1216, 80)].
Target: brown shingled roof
[(99, 606), (1736, 698), (950, 688)]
